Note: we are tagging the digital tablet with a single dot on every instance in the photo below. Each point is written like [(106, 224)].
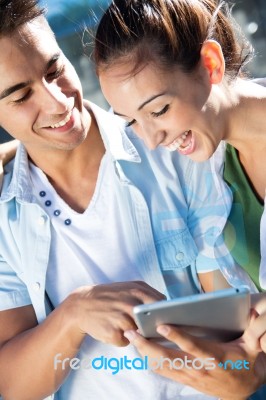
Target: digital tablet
[(222, 315)]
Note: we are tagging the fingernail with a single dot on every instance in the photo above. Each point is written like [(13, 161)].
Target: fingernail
[(163, 330), (131, 335)]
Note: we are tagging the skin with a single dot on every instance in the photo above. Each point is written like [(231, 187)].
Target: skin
[(202, 102), (7, 152), (40, 88), (181, 108), (161, 106), (236, 385), (225, 384)]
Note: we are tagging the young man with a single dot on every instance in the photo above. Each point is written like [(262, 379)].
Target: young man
[(90, 227)]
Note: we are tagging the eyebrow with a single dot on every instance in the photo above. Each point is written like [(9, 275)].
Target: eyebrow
[(143, 104), (7, 92)]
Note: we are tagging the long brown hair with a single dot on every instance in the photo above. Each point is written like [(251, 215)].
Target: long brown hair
[(167, 32)]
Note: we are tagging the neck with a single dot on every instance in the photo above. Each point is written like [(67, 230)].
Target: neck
[(246, 130), (74, 173)]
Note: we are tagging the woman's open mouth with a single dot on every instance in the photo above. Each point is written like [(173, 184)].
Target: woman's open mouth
[(185, 143)]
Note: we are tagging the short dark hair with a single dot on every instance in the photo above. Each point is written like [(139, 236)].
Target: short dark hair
[(15, 13), (168, 33)]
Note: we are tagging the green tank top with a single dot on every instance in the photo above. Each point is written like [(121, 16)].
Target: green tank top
[(242, 230)]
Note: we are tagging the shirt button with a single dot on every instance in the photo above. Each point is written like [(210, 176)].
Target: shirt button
[(179, 256), (36, 286), (42, 193), (68, 221), (48, 203), (57, 213), (41, 221)]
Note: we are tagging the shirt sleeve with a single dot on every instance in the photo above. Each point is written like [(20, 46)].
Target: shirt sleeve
[(13, 292)]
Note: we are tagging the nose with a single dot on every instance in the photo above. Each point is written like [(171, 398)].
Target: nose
[(52, 99), (152, 137)]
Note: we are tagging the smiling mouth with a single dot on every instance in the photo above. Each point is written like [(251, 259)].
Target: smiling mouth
[(183, 142), (62, 122)]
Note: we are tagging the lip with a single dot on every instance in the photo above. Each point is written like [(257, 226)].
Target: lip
[(184, 143), (179, 141), (63, 121), (189, 149), (66, 127)]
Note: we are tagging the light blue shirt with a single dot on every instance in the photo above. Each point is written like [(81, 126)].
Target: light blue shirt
[(179, 213)]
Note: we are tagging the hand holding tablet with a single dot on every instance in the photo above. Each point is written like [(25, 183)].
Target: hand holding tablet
[(222, 315)]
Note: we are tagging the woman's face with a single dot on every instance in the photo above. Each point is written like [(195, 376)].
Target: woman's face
[(166, 108)]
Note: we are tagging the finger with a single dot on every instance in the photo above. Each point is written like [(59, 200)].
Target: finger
[(150, 288), (258, 301), (263, 343), (163, 360), (1, 174), (146, 293), (253, 315), (150, 348), (255, 331), (189, 344)]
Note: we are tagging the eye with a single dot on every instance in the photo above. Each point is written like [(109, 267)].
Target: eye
[(163, 111), (55, 74), (23, 98), (130, 123)]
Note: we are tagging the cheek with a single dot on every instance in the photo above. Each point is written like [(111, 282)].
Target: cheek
[(138, 131), (20, 124)]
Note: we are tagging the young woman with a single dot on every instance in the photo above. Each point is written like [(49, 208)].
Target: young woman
[(173, 69)]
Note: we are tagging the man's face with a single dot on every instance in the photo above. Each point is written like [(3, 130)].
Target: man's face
[(40, 93)]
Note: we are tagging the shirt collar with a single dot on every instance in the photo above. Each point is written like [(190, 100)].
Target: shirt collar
[(17, 182), (112, 130)]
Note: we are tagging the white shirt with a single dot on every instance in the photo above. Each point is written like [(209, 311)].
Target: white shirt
[(89, 250)]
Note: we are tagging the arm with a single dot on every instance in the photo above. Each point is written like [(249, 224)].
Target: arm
[(26, 347), (211, 281), (7, 152)]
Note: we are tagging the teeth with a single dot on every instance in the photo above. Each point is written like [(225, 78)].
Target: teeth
[(186, 147), (177, 143), (63, 122), (174, 145)]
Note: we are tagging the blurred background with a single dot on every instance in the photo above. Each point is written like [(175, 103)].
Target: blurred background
[(69, 17)]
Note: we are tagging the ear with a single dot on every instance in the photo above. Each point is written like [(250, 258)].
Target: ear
[(213, 60)]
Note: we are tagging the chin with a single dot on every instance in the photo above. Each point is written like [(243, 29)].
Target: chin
[(200, 156), (73, 144), (203, 154)]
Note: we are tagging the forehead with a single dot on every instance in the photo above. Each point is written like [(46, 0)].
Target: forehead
[(118, 83), (27, 48)]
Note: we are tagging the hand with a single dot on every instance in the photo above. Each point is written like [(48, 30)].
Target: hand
[(106, 311), (1, 173), (7, 152), (228, 384), (255, 334)]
